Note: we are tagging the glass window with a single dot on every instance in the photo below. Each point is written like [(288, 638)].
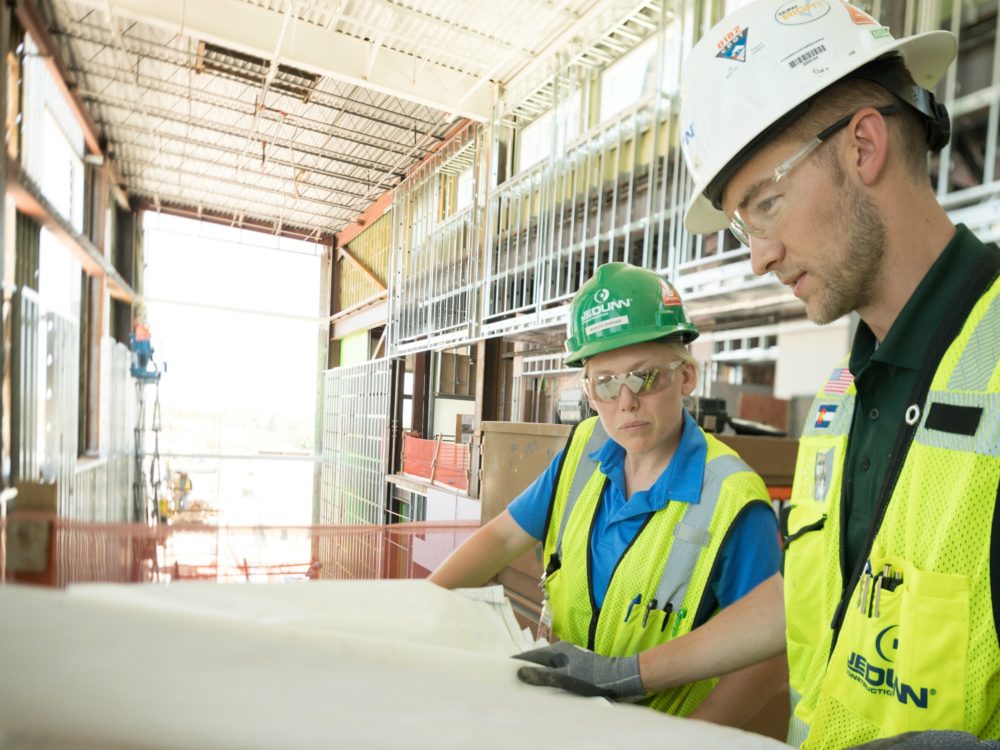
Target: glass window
[(536, 137), (59, 277), (628, 80), (465, 189)]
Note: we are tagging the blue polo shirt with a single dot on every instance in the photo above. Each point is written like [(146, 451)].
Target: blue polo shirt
[(748, 557)]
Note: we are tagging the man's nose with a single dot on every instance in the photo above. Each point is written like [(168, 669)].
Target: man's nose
[(765, 254)]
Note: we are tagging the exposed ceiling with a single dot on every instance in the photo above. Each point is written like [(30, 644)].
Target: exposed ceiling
[(293, 115)]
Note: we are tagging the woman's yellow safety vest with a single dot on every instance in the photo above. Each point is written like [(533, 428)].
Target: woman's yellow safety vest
[(657, 590), (911, 641)]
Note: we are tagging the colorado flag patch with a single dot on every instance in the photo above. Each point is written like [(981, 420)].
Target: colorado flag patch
[(825, 416)]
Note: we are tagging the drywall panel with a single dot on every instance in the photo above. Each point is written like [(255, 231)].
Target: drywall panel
[(376, 664)]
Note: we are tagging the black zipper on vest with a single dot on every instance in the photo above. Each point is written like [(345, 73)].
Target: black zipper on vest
[(980, 280), (995, 564), (594, 609)]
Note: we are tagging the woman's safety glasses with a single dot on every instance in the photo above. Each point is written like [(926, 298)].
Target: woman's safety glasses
[(608, 387)]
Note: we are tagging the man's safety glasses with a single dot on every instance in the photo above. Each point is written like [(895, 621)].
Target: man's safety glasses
[(765, 206), (608, 387)]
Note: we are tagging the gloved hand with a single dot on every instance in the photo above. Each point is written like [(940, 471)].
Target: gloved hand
[(583, 672), (930, 740)]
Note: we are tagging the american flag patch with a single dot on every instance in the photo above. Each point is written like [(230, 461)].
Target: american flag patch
[(840, 381)]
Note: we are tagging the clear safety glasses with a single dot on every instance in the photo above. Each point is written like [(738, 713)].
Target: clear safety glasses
[(760, 211), (608, 387)]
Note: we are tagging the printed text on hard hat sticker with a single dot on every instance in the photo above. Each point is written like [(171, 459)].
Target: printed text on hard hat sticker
[(798, 13), (621, 320)]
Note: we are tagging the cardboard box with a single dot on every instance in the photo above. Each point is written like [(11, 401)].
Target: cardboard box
[(771, 457), (30, 549), (514, 454)]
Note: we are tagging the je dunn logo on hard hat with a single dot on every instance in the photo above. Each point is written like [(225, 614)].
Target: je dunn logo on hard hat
[(798, 13), (733, 45), (601, 296)]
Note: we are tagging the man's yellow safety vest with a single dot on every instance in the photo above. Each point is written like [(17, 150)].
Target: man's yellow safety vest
[(668, 566), (908, 639)]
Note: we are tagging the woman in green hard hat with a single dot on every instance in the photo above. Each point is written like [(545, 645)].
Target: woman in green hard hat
[(649, 525)]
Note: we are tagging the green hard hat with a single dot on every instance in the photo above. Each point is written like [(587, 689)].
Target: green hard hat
[(621, 305)]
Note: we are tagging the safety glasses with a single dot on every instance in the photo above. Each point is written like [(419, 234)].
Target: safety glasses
[(608, 387), (759, 213)]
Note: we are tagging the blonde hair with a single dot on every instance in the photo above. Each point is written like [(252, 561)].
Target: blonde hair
[(677, 350), (680, 351)]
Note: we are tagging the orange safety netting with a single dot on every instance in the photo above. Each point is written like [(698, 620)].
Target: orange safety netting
[(437, 461), (56, 552)]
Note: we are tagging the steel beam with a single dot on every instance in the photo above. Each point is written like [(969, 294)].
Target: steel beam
[(255, 30)]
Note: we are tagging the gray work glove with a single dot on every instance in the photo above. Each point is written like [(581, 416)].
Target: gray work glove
[(583, 672), (931, 740)]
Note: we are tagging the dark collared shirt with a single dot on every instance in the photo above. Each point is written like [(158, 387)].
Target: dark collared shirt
[(885, 375)]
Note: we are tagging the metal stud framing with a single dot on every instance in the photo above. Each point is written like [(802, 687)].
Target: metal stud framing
[(357, 435), (435, 266), (618, 191)]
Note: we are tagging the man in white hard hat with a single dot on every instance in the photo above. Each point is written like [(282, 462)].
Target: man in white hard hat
[(806, 128)]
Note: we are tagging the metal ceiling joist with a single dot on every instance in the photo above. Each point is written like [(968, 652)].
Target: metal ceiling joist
[(257, 30), (231, 207), (186, 154), (240, 107), (165, 115), (316, 234), (348, 211), (148, 51)]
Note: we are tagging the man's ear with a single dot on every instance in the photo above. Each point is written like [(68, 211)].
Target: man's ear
[(869, 142)]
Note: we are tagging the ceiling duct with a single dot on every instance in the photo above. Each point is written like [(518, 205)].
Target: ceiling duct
[(213, 58)]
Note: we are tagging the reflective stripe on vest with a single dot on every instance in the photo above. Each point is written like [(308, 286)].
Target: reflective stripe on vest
[(691, 535), (584, 468)]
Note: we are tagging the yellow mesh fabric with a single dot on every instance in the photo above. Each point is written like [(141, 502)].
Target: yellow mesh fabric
[(567, 588), (812, 580), (930, 660), (639, 571)]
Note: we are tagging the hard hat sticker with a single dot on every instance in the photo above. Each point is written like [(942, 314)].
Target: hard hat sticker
[(669, 295), (734, 45), (859, 17), (798, 13), (621, 320), (806, 57)]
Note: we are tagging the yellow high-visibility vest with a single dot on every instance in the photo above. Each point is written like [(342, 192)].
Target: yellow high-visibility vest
[(912, 642), (670, 562)]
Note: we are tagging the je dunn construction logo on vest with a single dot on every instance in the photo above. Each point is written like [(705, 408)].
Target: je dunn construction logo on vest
[(884, 680)]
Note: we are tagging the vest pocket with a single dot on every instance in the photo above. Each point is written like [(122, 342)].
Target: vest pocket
[(900, 660), (933, 652)]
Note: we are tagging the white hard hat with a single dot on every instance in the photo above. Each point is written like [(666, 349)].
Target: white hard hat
[(763, 62)]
